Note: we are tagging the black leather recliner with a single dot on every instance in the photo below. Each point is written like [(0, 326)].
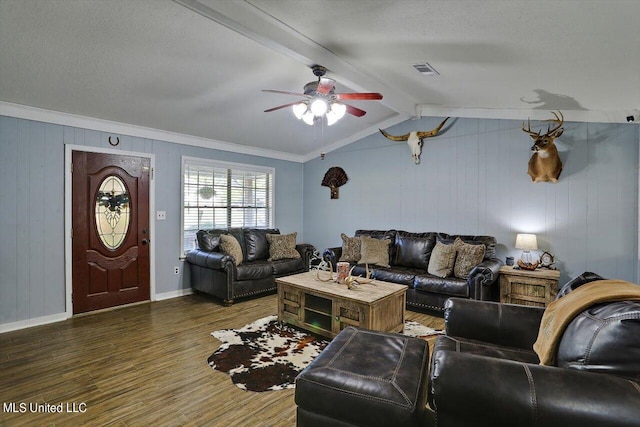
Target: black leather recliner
[(484, 372)]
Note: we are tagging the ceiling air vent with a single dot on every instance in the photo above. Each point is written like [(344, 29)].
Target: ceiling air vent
[(426, 69)]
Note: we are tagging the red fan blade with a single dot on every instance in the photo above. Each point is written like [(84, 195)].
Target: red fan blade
[(281, 106), (325, 85), (355, 111), (282, 92), (362, 95)]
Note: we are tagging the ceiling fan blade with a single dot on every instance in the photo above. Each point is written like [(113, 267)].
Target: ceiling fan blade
[(325, 85), (362, 96), (281, 106), (355, 111), (283, 92)]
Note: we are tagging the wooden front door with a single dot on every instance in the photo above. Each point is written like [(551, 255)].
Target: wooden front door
[(110, 230)]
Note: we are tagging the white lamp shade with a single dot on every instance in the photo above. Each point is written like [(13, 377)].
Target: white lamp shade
[(318, 107), (299, 109), (308, 117), (526, 242), (338, 109)]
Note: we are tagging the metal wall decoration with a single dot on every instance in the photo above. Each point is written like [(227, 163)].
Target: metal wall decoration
[(334, 179)]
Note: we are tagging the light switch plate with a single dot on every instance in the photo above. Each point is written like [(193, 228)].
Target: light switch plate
[(161, 215)]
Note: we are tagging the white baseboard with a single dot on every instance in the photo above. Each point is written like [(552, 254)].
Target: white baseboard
[(37, 321), (174, 294)]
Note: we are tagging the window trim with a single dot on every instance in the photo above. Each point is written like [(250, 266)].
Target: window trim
[(228, 165)]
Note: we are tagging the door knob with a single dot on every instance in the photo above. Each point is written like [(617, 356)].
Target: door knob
[(145, 241)]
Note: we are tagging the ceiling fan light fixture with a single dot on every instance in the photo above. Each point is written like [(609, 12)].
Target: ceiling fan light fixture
[(308, 117), (338, 109), (299, 109), (318, 107)]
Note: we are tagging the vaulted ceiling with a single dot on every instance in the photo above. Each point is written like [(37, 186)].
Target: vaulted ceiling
[(198, 68)]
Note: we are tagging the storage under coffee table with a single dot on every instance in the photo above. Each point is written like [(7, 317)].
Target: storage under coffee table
[(326, 308)]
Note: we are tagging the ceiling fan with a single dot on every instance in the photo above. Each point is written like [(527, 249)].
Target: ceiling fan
[(321, 100)]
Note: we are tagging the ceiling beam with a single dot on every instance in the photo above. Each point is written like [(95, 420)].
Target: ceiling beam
[(257, 25)]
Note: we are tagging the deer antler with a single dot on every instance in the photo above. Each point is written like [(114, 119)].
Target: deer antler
[(556, 131), (553, 133), (330, 279), (352, 281)]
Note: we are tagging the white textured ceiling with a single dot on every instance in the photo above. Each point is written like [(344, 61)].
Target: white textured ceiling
[(197, 67)]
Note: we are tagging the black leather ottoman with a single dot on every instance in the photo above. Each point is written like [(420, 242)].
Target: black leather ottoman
[(365, 378)]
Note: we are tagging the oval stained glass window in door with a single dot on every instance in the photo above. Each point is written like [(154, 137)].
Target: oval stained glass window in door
[(113, 212)]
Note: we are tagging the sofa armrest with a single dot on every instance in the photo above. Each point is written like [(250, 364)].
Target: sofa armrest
[(306, 251), (495, 392), (332, 255), (483, 280), (502, 324), (212, 260)]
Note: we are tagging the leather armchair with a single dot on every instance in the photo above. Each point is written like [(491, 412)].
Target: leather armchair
[(484, 371)]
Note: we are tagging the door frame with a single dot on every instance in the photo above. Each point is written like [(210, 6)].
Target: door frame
[(68, 242)]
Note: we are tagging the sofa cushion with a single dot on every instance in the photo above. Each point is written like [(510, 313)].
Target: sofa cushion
[(489, 242), (414, 249), (451, 286), (374, 251), (209, 240), (442, 260), (229, 245), (479, 348), (254, 270), (400, 275), (283, 267), (257, 245), (467, 257), (605, 338), (350, 249), (282, 246), (382, 235)]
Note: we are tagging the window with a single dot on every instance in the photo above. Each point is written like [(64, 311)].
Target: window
[(221, 195)]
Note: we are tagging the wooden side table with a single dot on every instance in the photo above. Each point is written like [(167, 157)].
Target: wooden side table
[(526, 287)]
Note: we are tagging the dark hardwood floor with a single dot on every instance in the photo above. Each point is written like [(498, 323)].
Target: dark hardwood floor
[(139, 365)]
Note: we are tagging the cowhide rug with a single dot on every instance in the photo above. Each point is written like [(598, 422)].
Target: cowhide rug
[(265, 355)]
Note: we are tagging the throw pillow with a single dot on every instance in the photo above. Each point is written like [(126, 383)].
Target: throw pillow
[(467, 257), (350, 249), (374, 251), (442, 260), (229, 245), (282, 246)]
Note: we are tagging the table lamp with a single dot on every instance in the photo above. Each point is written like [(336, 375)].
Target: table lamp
[(526, 242)]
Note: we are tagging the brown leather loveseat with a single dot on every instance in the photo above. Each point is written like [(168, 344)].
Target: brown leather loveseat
[(221, 275)]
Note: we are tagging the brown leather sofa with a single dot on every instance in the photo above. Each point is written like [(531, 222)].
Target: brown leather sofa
[(409, 255), (483, 372), (218, 274)]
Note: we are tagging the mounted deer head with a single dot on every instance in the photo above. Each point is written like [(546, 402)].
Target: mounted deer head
[(414, 139), (545, 164)]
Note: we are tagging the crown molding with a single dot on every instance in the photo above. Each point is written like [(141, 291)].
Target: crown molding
[(85, 122)]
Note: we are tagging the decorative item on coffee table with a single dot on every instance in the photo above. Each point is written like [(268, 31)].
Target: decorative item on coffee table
[(527, 287)]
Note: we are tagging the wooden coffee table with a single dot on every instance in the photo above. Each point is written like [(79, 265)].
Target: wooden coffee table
[(326, 308)]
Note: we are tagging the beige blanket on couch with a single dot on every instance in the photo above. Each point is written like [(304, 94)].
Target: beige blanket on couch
[(561, 312)]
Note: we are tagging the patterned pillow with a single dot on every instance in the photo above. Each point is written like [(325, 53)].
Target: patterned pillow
[(229, 245), (282, 246), (442, 260), (350, 249), (374, 251), (468, 256)]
